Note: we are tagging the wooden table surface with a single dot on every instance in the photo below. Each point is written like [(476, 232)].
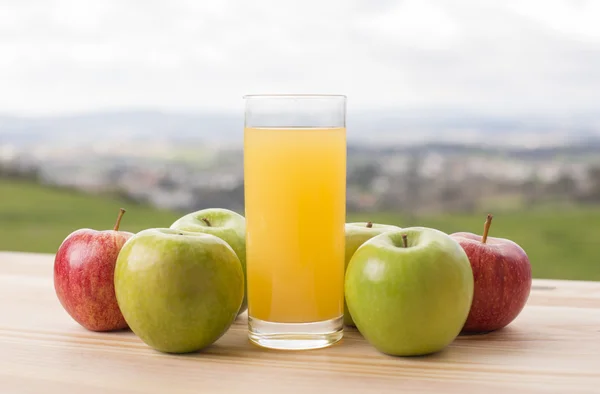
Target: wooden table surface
[(553, 346)]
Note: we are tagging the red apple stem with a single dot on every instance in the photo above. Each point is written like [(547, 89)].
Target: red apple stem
[(118, 223), (486, 228), (205, 220), (369, 224), (405, 240)]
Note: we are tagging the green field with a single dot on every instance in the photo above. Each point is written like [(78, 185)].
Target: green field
[(34, 218), (562, 244)]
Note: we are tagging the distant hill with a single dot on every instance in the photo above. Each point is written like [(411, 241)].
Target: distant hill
[(134, 125), (384, 127)]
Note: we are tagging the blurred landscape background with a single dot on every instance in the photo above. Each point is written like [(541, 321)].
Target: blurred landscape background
[(455, 110)]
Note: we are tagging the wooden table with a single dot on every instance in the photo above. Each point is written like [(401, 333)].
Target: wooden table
[(553, 346)]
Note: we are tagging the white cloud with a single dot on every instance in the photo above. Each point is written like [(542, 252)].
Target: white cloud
[(414, 24), (574, 19), (67, 56)]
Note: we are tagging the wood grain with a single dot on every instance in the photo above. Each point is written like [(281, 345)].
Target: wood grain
[(553, 346)]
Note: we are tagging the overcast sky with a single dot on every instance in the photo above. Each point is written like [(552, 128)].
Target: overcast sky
[(496, 56)]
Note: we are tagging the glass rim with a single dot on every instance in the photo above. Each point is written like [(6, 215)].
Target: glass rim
[(293, 96)]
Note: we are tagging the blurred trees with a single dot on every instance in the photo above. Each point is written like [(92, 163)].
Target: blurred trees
[(592, 193), (19, 171)]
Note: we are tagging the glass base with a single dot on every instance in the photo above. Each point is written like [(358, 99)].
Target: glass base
[(295, 336)]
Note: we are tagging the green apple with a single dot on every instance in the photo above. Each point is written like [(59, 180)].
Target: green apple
[(409, 291), (225, 224), (179, 291), (356, 235)]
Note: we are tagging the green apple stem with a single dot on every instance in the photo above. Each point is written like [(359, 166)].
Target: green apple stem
[(486, 228), (205, 220), (369, 224), (405, 240), (118, 223)]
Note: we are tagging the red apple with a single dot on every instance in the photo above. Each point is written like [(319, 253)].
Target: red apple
[(502, 274), (84, 269)]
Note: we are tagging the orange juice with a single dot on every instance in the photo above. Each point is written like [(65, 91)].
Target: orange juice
[(295, 195)]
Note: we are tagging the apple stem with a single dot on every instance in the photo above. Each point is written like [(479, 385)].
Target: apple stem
[(205, 220), (486, 228), (118, 223), (405, 240), (369, 224)]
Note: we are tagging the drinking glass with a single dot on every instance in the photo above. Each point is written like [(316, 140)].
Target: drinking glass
[(295, 201)]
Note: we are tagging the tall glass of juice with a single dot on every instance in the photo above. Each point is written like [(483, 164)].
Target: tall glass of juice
[(295, 201)]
